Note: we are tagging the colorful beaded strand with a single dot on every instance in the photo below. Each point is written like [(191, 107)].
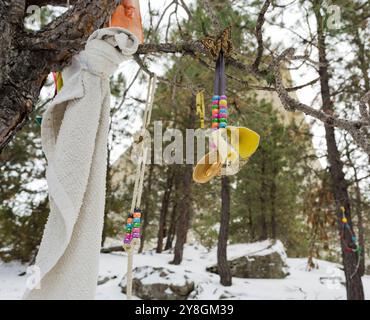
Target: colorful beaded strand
[(223, 112), (133, 225), (354, 245), (137, 224), (128, 229), (215, 111)]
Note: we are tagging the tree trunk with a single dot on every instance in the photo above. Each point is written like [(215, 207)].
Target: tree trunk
[(360, 222), (222, 264), (273, 208), (164, 210), (339, 184), (108, 197), (172, 228), (251, 225), (174, 216), (263, 192), (184, 206), (147, 208), (184, 215), (26, 58)]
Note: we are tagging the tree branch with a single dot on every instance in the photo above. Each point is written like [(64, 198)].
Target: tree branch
[(355, 128), (24, 68), (66, 35), (259, 35)]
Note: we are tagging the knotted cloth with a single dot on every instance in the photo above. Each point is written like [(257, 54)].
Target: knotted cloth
[(74, 136)]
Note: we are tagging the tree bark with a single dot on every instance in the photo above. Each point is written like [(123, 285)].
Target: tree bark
[(263, 192), (339, 184), (174, 216), (108, 192), (222, 264), (358, 210), (172, 228), (184, 215), (41, 3), (251, 225), (26, 58), (273, 190), (164, 210), (185, 205)]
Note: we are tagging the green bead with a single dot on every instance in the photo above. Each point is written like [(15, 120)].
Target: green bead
[(38, 120), (137, 225), (214, 120), (215, 106), (223, 120)]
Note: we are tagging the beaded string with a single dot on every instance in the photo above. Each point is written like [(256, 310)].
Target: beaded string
[(223, 99), (353, 246), (133, 224), (216, 97), (219, 99)]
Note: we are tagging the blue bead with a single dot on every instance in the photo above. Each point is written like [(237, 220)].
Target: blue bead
[(223, 110), (216, 98), (136, 220), (223, 125)]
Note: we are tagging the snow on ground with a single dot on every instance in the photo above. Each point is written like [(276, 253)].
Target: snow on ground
[(322, 283)]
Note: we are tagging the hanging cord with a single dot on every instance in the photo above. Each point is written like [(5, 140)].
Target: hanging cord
[(139, 178), (222, 88), (138, 188), (216, 87)]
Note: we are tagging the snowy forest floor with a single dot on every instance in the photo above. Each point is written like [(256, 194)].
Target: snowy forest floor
[(324, 283)]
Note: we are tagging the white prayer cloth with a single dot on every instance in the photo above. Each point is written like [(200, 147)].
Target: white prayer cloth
[(74, 135)]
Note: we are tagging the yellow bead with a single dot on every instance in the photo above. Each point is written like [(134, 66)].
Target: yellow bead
[(344, 220)]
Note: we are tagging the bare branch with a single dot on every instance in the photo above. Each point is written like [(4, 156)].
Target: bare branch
[(67, 34), (186, 8), (24, 71), (144, 67), (364, 110), (259, 35), (357, 129)]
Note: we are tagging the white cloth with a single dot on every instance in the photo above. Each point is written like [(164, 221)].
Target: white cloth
[(74, 137)]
